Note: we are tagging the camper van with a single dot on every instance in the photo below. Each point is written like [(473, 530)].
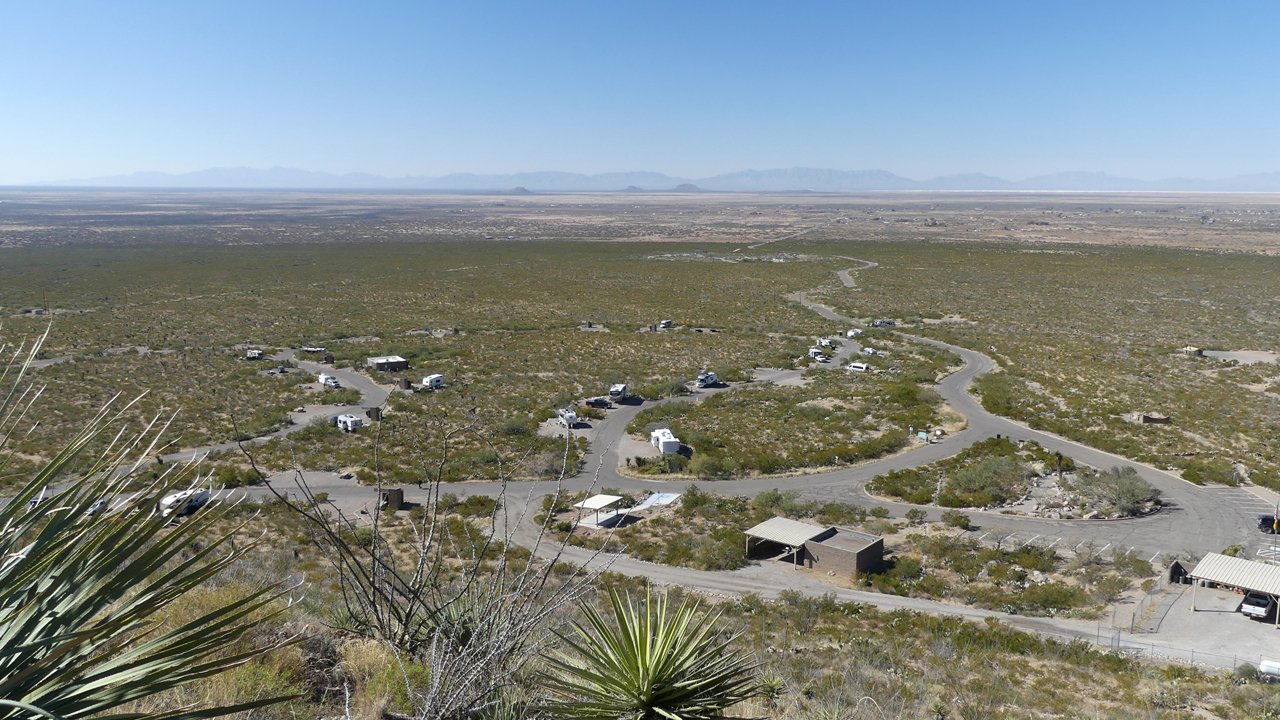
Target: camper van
[(619, 392), (185, 502), (349, 423), (431, 382), (707, 379), (329, 381), (567, 417)]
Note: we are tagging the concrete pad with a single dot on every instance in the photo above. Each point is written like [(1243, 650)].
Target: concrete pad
[(1216, 627)]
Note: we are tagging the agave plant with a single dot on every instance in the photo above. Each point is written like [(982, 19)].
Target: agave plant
[(648, 663), (86, 575)]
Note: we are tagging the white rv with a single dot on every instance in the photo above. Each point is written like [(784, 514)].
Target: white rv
[(707, 379), (329, 381), (184, 502), (859, 367), (824, 342), (665, 441), (853, 333), (253, 355), (349, 423), (619, 392), (431, 382), (567, 417)]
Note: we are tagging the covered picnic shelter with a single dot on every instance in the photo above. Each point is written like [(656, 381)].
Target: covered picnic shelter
[(1239, 573), (597, 503), (791, 534)]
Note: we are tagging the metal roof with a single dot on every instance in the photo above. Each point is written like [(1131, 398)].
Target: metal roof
[(1238, 572), (791, 533), (596, 502)]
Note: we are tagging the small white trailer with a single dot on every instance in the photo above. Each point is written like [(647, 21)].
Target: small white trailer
[(253, 355), (349, 423), (665, 441), (855, 332), (567, 417), (431, 382)]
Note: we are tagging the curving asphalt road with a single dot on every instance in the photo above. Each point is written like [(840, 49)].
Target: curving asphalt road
[(1195, 519), (374, 395)]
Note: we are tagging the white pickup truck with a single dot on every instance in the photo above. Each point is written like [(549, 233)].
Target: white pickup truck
[(1257, 605)]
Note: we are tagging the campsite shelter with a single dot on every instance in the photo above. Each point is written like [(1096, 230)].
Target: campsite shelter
[(1238, 573), (597, 503), (820, 547)]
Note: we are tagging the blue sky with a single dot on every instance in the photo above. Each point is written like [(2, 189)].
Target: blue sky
[(1138, 89)]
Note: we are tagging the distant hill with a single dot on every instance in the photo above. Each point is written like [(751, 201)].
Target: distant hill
[(795, 179)]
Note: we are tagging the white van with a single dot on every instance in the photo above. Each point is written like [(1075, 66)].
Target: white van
[(859, 367), (431, 382)]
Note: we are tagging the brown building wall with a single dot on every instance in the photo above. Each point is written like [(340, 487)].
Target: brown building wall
[(826, 557)]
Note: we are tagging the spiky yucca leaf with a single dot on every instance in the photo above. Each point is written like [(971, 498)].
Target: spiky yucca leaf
[(648, 663), (81, 591)]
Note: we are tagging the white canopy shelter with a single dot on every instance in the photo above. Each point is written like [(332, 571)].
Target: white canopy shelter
[(597, 503)]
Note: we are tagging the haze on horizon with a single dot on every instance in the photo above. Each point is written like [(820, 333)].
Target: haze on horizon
[(1143, 90)]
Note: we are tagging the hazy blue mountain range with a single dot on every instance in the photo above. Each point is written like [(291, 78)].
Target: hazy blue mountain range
[(780, 180)]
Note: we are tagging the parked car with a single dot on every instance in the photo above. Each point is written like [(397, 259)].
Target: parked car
[(599, 402), (1257, 605), (1267, 523)]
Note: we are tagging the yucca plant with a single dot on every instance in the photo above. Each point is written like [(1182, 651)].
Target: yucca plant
[(84, 584), (647, 663)]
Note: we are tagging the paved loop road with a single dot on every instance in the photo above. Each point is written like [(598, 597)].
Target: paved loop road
[(1195, 519)]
